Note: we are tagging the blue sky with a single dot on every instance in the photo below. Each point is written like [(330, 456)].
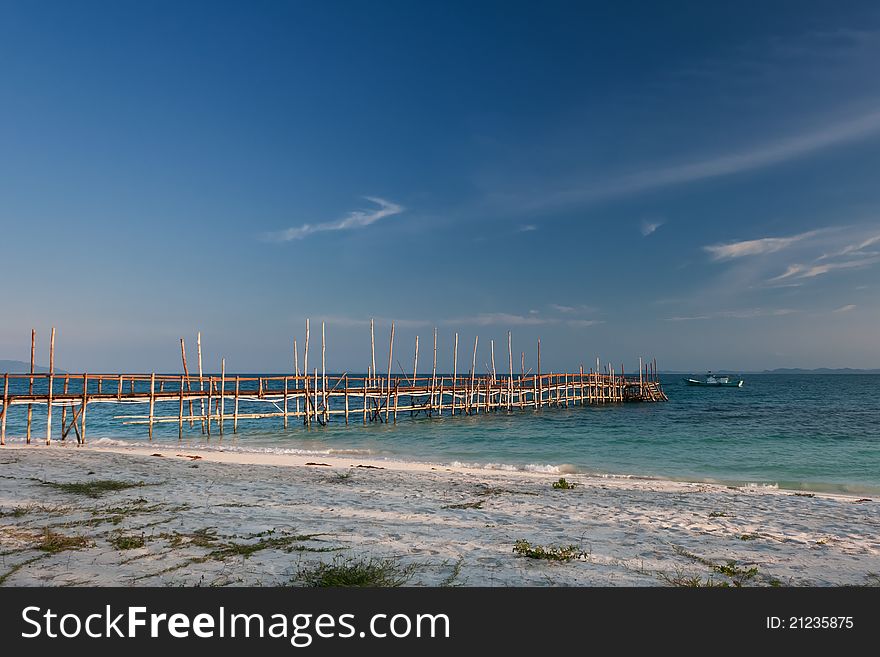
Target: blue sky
[(692, 181)]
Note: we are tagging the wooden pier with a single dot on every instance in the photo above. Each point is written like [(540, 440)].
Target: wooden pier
[(213, 401)]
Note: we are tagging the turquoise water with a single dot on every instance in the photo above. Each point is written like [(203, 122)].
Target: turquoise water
[(816, 432)]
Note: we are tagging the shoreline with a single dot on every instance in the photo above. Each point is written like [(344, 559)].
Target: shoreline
[(343, 459), (194, 517)]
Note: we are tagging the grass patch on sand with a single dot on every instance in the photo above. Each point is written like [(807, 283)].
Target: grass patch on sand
[(127, 541), (9, 573), (20, 511), (93, 488), (287, 543), (354, 572), (54, 542), (560, 553), (562, 484), (465, 505)]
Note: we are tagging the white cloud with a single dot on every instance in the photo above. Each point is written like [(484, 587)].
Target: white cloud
[(354, 219), (855, 249), (562, 309), (650, 227), (527, 228), (811, 271), (746, 313), (845, 309), (583, 323), (756, 247), (759, 156)]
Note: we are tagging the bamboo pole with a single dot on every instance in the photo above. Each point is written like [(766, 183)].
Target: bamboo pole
[(454, 373), (345, 376), (433, 374), (296, 373), (82, 413), (5, 408), (285, 402), (415, 370), (64, 391), (540, 381), (390, 353), (186, 374), (210, 401), (315, 393), (202, 387), (51, 386), (180, 411), (30, 410), (522, 379), (323, 374), (396, 391), (373, 352), (365, 398), (510, 372), (307, 417), (222, 392), (235, 411), (152, 401), (470, 401)]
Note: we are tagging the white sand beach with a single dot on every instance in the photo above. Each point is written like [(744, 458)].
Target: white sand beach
[(199, 517)]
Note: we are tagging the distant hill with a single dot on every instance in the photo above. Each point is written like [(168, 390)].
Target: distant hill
[(20, 367), (821, 370)]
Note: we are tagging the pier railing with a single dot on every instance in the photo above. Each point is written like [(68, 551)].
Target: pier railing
[(214, 401)]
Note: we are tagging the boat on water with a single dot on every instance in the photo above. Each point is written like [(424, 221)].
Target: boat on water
[(715, 380)]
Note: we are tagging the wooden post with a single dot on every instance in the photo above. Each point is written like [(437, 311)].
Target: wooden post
[(346, 398), (440, 399), (180, 411), (522, 378), (222, 392), (152, 401), (510, 372), (82, 413), (540, 382), (64, 391), (210, 401), (454, 372), (51, 386), (641, 381), (285, 402), (388, 393), (235, 410), (315, 403), (433, 374), (186, 374), (373, 351), (202, 388), (30, 412), (307, 417), (366, 381), (415, 370), (5, 408), (396, 391), (296, 374), (324, 376), (492, 350), (471, 400)]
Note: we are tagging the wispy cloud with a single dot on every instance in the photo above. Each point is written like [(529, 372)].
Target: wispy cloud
[(506, 319), (797, 271), (759, 156), (756, 247), (562, 309), (650, 227), (526, 228), (354, 219), (747, 313), (855, 249), (845, 309)]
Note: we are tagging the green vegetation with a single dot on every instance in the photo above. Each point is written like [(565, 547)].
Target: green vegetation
[(561, 553), (353, 572), (562, 484), (721, 514), (54, 542), (92, 488), (127, 542), (465, 505)]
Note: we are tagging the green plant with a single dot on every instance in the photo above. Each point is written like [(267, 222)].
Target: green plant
[(54, 542), (560, 553), (351, 572), (562, 484), (92, 488), (127, 542)]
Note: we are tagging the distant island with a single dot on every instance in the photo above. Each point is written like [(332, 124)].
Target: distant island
[(21, 367), (784, 370)]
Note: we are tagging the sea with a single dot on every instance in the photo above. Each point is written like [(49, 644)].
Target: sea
[(794, 431)]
